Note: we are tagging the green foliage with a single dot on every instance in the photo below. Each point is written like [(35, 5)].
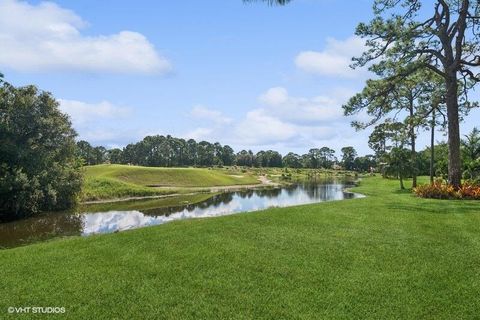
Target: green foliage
[(165, 151), (365, 164), (38, 167), (268, 159), (439, 37), (348, 158), (471, 155), (319, 158), (471, 145), (472, 171), (398, 164), (168, 151), (292, 160), (93, 155)]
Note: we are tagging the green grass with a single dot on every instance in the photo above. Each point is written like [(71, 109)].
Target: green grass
[(168, 177), (386, 256), (108, 188), (121, 181)]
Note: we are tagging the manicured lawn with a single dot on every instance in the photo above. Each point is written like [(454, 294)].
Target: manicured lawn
[(101, 188), (120, 181), (386, 256), (168, 177)]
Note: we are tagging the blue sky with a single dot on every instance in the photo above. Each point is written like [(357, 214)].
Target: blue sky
[(248, 75)]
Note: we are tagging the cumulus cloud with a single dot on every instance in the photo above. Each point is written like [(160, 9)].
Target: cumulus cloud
[(100, 123), (48, 37), (334, 60), (200, 134), (261, 128), (283, 121), (301, 110), (201, 112), (82, 112), (274, 96)]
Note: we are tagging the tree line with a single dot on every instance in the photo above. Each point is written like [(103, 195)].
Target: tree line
[(389, 141), (168, 151)]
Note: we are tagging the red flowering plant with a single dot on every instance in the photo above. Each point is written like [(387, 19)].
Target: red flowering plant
[(441, 190)]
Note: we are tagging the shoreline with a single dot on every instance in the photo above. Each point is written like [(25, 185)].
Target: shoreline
[(264, 183)]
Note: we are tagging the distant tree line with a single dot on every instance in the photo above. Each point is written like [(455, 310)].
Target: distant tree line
[(389, 141), (168, 151)]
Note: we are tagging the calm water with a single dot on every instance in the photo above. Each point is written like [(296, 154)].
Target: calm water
[(91, 220)]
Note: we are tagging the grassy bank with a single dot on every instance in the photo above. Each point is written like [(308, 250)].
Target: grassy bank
[(146, 204), (120, 181), (389, 255)]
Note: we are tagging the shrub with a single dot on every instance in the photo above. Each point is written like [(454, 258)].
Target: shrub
[(441, 190), (39, 169), (469, 190), (472, 171)]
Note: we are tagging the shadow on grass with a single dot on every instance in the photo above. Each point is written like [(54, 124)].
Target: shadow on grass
[(437, 206), (403, 191)]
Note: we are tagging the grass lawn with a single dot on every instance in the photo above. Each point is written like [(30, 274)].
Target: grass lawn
[(120, 181), (389, 255)]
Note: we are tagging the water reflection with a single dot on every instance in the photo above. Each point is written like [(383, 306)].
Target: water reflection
[(40, 228), (86, 223)]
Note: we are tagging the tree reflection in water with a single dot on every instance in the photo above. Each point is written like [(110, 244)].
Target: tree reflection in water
[(87, 222), (40, 228)]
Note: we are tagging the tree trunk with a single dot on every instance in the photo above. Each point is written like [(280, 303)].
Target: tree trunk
[(402, 186), (454, 160), (412, 141), (432, 148)]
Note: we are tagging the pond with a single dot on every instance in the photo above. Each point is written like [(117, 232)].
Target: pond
[(95, 219)]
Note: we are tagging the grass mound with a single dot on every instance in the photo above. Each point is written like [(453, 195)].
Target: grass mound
[(109, 188), (119, 181), (169, 177)]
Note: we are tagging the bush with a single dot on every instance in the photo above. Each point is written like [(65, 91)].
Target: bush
[(441, 190), (469, 191), (39, 170), (472, 171)]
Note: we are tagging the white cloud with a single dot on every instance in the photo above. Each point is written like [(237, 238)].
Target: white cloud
[(101, 123), (201, 112), (283, 121), (82, 112), (334, 60), (200, 134), (212, 122), (47, 37), (274, 96), (300, 110), (260, 128)]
